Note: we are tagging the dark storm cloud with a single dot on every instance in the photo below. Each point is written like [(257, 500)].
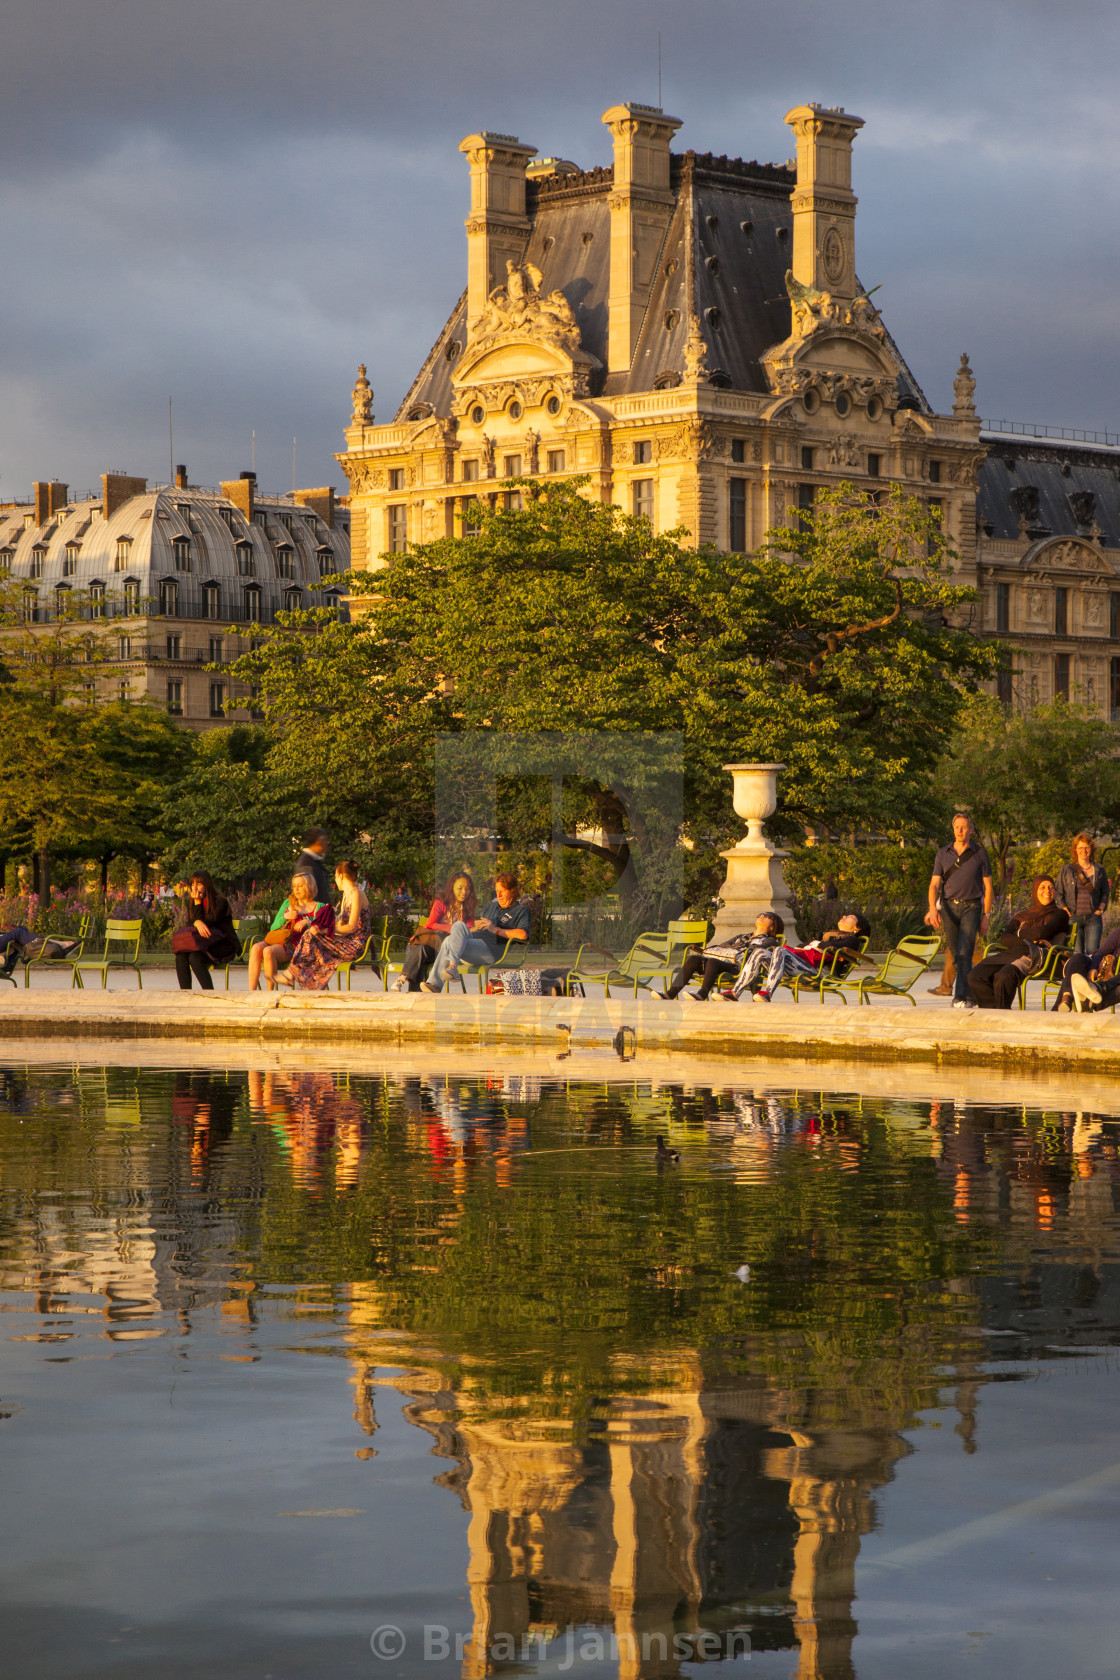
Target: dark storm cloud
[(238, 201)]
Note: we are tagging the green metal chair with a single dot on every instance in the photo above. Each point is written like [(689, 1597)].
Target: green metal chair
[(652, 956), (377, 937), (828, 976), (897, 975), (83, 935), (1051, 971), (122, 950), (512, 957), (390, 958), (238, 924)]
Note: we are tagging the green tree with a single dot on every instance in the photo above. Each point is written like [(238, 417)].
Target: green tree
[(1029, 775), (232, 814)]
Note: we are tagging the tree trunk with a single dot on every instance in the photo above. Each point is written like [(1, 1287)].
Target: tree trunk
[(35, 873), (106, 860), (44, 878)]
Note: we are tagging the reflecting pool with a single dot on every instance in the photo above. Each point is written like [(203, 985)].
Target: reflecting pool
[(307, 1373)]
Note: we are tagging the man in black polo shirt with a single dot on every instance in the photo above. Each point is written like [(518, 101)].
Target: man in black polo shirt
[(960, 897)]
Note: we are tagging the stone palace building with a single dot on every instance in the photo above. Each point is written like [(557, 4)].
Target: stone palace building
[(183, 573), (690, 333)]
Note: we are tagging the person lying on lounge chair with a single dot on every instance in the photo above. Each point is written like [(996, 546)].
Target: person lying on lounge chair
[(800, 961), (723, 956)]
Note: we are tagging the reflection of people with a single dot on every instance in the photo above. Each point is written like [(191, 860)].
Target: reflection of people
[(207, 914), (310, 1116), (995, 981), (960, 901), (1083, 891), (299, 911), (484, 940), (318, 953)]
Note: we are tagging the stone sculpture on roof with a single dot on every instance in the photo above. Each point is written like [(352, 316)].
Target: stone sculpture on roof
[(362, 399), (518, 307)]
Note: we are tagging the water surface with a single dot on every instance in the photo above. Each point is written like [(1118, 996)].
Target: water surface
[(291, 1361)]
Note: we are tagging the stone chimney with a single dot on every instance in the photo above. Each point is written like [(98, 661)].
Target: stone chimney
[(181, 478), (640, 206), (241, 491), (49, 497), (117, 489), (319, 501), (824, 205), (497, 227)]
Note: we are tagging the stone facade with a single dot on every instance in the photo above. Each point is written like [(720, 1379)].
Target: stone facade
[(178, 570)]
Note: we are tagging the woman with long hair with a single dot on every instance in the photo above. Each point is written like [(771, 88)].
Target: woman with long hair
[(318, 953), (206, 915), (995, 981), (300, 910), (458, 902), (1083, 891)]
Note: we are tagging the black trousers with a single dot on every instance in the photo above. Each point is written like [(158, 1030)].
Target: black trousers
[(712, 968), (1078, 963), (196, 963), (995, 982), (418, 959)]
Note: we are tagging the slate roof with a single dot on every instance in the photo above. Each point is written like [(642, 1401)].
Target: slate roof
[(726, 251), (1060, 488)]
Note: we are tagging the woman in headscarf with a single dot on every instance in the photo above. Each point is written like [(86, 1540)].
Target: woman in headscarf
[(995, 981)]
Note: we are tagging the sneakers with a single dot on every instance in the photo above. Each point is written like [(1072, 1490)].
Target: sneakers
[(1084, 992), (1064, 1007), (427, 986), (400, 985), (940, 991), (965, 1003)]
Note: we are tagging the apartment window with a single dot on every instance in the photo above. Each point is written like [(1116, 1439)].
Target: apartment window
[(468, 513), (182, 548), (1003, 687), (131, 598), (183, 509), (124, 691), (212, 600), (557, 460), (1003, 607), (284, 563), (175, 698), (293, 600), (1114, 617), (254, 701), (215, 650), (30, 607), (217, 699), (398, 528), (174, 647), (169, 598), (70, 560), (807, 460), (36, 563), (643, 453), (97, 600), (514, 501), (5, 559), (511, 466), (470, 472), (230, 516), (396, 478), (124, 647), (285, 520), (1114, 690), (874, 463), (124, 549), (245, 565), (1061, 613), (738, 450), (252, 604), (935, 472), (1061, 675), (328, 566), (261, 519), (806, 496), (737, 515), (643, 497)]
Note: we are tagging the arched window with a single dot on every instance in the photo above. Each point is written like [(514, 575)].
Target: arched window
[(124, 549), (169, 598), (245, 565), (182, 548), (212, 600), (252, 602), (284, 566)]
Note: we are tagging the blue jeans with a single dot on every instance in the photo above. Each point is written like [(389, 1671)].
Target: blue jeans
[(962, 924), (460, 946), (1088, 934)]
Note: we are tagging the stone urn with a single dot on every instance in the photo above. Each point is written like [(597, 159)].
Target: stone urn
[(755, 881)]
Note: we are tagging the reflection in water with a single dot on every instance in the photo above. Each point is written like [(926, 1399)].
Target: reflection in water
[(644, 1448)]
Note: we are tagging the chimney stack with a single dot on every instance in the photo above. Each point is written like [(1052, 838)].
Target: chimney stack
[(241, 492), (497, 227), (640, 206), (320, 501), (824, 205), (49, 497), (117, 489), (181, 478)]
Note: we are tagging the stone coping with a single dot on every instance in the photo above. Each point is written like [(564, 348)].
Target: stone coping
[(1027, 1041)]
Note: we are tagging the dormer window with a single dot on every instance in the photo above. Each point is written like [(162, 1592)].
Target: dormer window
[(252, 604), (327, 563), (70, 559), (124, 550), (5, 559), (182, 550), (131, 597), (261, 519), (169, 598), (212, 600), (245, 565), (284, 563), (293, 599), (97, 600), (229, 515), (37, 562), (285, 520)]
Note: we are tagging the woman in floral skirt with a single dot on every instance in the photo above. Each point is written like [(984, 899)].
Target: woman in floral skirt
[(318, 954)]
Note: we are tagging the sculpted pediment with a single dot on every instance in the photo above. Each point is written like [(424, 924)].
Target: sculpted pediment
[(1067, 554), (835, 346), (522, 331)]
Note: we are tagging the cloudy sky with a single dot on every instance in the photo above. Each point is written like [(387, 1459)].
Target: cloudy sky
[(233, 202)]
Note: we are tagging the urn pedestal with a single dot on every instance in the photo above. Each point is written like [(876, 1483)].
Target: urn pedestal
[(754, 867)]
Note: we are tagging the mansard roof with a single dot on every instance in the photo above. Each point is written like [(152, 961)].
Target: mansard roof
[(1040, 487), (725, 254)]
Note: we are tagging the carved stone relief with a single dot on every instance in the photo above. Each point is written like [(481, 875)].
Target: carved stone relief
[(844, 450), (1036, 607), (1094, 610)]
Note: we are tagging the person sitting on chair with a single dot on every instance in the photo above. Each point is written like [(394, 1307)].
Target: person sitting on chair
[(206, 915), (802, 961), (504, 918), (300, 910), (995, 981), (459, 903), (723, 956), (1091, 982)]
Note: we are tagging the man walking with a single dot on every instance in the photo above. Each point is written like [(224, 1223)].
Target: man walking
[(310, 860), (960, 901)]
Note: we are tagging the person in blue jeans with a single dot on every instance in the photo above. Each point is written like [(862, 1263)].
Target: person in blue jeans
[(960, 901), (484, 940), (1083, 891)]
